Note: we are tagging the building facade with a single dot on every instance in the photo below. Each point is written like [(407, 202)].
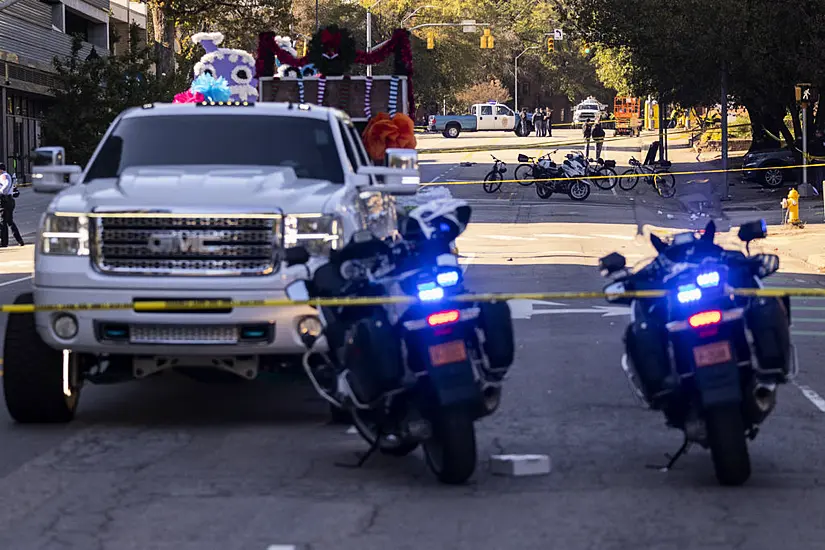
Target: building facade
[(32, 34)]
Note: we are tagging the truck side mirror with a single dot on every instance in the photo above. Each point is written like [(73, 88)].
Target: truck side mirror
[(52, 179), (405, 159)]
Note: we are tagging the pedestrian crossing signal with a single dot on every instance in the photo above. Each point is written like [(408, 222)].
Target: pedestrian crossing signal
[(430, 40), (551, 45)]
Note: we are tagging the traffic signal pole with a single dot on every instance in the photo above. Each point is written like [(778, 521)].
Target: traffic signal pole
[(527, 49)]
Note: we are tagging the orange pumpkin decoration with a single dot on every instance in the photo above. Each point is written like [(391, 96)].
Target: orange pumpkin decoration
[(384, 132)]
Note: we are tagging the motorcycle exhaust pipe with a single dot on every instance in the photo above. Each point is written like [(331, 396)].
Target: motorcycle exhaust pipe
[(764, 395)]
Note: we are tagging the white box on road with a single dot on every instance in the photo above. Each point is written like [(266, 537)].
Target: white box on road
[(520, 465)]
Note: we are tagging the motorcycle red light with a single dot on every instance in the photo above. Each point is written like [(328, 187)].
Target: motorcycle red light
[(443, 318), (705, 318)]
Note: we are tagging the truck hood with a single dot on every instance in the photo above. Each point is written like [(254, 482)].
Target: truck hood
[(206, 188)]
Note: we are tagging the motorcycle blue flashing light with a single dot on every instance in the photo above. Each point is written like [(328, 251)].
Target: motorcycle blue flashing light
[(429, 292), (708, 280), (688, 293), (447, 278)]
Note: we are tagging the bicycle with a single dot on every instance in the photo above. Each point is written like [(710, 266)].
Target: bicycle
[(495, 177), (603, 170), (525, 172), (656, 176)]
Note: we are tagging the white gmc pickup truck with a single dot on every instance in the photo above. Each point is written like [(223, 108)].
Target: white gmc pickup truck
[(189, 202)]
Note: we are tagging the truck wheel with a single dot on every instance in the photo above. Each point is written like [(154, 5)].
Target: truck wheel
[(728, 446), (451, 452), (211, 376), (452, 131), (33, 374)]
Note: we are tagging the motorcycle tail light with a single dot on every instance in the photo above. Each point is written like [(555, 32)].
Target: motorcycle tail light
[(443, 318), (706, 318)]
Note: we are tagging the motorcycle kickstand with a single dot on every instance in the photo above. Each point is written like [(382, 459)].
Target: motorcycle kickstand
[(362, 459), (673, 459)]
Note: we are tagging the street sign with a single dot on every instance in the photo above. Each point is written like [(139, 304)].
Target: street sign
[(469, 25), (558, 34)]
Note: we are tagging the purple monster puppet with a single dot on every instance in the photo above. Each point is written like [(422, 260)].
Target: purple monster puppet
[(236, 66)]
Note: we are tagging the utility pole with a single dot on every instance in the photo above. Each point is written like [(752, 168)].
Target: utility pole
[(527, 49), (724, 113), (317, 21)]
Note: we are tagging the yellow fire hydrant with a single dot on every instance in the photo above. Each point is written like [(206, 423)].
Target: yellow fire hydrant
[(791, 204)]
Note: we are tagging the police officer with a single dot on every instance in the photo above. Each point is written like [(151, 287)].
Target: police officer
[(7, 209), (587, 134), (598, 136)]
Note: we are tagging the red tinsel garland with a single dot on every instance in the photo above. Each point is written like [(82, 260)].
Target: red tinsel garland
[(398, 44)]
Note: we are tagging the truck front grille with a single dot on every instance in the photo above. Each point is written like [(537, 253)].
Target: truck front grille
[(185, 245)]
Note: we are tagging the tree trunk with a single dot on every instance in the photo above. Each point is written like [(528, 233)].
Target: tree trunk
[(163, 25)]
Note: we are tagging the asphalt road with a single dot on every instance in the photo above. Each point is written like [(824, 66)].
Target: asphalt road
[(173, 464)]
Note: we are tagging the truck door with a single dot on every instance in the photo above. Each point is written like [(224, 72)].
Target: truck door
[(486, 118), (506, 119)]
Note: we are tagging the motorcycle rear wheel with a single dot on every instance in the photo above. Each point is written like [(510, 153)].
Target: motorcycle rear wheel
[(728, 445), (544, 190), (451, 452)]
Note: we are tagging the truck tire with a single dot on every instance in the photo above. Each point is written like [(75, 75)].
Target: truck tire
[(33, 374), (728, 445), (451, 452), (452, 131)]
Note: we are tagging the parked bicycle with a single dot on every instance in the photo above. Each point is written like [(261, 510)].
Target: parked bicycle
[(495, 177), (656, 175)]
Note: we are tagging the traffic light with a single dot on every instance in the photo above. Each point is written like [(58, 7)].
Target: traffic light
[(430, 40), (587, 49), (551, 45), (488, 42)]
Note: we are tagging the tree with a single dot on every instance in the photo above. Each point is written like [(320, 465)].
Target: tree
[(484, 92), (679, 50), (91, 92)]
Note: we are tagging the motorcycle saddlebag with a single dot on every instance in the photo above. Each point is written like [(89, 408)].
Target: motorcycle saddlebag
[(373, 357), (646, 344), (767, 319), (523, 158), (610, 163), (499, 342)]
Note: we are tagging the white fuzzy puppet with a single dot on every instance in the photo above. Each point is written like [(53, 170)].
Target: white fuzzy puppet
[(288, 45)]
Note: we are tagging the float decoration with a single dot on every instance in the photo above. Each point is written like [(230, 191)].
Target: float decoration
[(212, 89), (331, 61), (189, 97), (235, 67), (286, 70), (388, 132)]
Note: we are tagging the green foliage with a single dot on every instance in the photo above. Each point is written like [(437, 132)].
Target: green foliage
[(92, 92)]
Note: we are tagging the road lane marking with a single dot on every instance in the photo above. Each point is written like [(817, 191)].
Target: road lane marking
[(812, 396), (808, 332), (806, 320), (15, 281), (563, 236)]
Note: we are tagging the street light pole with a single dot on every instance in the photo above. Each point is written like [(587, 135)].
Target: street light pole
[(317, 21), (515, 72), (369, 33), (415, 12)]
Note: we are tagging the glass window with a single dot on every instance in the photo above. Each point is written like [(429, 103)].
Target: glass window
[(359, 145), (226, 139), (502, 110), (486, 110), (348, 147)]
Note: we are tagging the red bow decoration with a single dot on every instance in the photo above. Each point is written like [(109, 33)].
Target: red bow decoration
[(331, 41)]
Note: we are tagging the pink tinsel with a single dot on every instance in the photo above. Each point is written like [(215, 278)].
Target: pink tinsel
[(189, 97)]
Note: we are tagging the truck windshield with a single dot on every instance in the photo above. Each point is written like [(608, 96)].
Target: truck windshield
[(304, 144)]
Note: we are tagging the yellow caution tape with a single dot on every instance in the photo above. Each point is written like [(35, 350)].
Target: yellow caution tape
[(194, 305)]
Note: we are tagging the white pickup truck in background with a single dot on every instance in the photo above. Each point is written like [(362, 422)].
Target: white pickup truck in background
[(189, 202)]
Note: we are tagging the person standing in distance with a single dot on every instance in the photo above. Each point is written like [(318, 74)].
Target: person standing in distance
[(598, 137), (7, 209)]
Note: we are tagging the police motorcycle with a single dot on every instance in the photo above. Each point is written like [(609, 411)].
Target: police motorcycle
[(709, 360), (409, 372), (568, 175)]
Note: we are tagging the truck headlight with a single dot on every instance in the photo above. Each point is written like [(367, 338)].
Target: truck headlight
[(65, 235), (319, 233)]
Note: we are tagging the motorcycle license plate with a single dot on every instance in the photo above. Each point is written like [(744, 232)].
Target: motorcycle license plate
[(449, 352), (712, 354)]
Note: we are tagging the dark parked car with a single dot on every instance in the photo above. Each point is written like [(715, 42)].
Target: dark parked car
[(773, 165)]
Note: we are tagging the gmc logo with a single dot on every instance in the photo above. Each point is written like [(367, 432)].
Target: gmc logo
[(178, 242)]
